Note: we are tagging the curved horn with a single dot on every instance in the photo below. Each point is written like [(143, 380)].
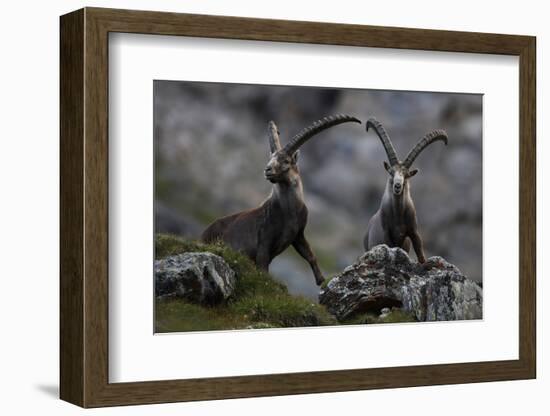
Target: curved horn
[(273, 135), (423, 143), (384, 138), (316, 128)]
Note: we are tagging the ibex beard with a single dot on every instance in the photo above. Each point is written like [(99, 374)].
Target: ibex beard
[(264, 232)]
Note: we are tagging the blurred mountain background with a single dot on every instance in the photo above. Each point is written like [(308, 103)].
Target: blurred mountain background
[(211, 148)]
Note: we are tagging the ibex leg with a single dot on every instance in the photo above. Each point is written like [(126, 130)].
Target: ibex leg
[(302, 247), (262, 259), (418, 247)]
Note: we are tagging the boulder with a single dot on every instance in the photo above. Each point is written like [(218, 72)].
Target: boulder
[(201, 277), (386, 277)]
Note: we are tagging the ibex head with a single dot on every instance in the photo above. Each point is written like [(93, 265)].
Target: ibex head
[(400, 171), (283, 163)]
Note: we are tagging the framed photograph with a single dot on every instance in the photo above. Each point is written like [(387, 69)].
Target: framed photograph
[(256, 207)]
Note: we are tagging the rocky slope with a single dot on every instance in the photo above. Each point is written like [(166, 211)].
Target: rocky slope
[(204, 287), (201, 287)]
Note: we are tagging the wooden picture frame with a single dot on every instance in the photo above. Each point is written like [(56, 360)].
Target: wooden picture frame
[(84, 207)]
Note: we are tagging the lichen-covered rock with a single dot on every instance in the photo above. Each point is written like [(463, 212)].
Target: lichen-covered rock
[(201, 277), (386, 277)]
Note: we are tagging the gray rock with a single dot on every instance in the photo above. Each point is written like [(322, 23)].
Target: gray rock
[(203, 278), (386, 277), (384, 312)]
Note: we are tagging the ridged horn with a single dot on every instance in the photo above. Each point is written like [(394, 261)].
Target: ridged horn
[(423, 143), (273, 135), (384, 138), (316, 128)]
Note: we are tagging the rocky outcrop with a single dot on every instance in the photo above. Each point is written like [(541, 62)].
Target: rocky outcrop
[(199, 277), (386, 277)]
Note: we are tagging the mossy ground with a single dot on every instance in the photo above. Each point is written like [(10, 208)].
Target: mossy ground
[(258, 300)]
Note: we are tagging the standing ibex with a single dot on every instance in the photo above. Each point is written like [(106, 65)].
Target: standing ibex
[(264, 232), (394, 223)]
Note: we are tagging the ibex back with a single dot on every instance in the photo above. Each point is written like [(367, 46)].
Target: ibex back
[(264, 232)]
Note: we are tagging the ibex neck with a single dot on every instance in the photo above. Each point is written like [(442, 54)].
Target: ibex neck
[(289, 194)]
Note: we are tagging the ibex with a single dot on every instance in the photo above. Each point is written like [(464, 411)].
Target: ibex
[(264, 232), (395, 223)]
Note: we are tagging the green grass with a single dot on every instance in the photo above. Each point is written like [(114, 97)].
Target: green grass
[(258, 300)]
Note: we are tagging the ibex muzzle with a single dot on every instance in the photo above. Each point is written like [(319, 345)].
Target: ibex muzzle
[(395, 222), (264, 232)]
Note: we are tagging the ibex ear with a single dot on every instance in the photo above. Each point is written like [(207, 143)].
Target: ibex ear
[(412, 172), (387, 167), (295, 157)]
